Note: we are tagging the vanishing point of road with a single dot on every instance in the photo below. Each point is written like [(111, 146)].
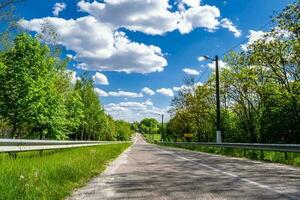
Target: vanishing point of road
[(151, 172)]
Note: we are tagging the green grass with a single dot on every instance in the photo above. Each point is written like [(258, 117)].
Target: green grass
[(267, 156), (150, 137), (54, 174)]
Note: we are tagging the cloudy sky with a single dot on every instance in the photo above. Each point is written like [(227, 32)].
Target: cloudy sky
[(139, 51)]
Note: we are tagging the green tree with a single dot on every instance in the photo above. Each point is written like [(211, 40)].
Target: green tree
[(123, 130), (260, 91), (27, 85)]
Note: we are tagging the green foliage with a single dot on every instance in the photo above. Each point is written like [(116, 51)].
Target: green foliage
[(267, 156), (152, 137), (260, 92), (123, 130), (93, 112), (39, 100), (54, 174), (149, 126), (26, 92)]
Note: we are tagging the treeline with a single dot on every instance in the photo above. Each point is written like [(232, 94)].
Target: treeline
[(260, 92), (39, 99), (150, 128)]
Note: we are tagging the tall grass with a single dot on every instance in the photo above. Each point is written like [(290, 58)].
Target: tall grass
[(53, 174), (267, 156)]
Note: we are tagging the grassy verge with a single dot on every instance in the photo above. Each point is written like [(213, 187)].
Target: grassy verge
[(152, 137), (268, 156), (54, 174)]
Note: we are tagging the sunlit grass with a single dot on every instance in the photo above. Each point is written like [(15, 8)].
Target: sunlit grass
[(53, 174), (151, 137), (268, 156)]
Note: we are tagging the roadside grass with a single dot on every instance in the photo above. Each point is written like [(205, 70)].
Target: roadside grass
[(152, 137), (287, 158), (53, 174)]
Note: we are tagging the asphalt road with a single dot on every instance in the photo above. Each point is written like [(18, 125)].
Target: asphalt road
[(151, 172)]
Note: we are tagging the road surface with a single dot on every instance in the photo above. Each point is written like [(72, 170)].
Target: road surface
[(151, 172)]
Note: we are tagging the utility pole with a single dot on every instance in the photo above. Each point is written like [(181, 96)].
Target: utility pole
[(162, 127), (218, 133), (218, 105)]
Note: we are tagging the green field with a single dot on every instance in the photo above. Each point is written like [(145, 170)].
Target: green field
[(54, 174), (267, 156), (150, 137)]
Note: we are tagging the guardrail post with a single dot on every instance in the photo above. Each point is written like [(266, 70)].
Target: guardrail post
[(262, 154), (12, 155), (285, 155)]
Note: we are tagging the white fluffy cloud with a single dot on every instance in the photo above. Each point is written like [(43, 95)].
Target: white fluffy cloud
[(125, 94), (154, 16), (187, 88), (148, 91), (120, 93), (101, 93), (192, 72), (222, 65), (101, 46), (201, 58), (100, 79), (180, 88), (199, 17), (252, 37), (58, 7), (98, 47), (192, 3), (135, 111), (150, 16), (166, 92), (226, 23)]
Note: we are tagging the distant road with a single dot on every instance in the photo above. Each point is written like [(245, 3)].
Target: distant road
[(151, 172)]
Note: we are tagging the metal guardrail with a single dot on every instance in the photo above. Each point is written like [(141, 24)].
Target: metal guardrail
[(252, 146), (19, 145)]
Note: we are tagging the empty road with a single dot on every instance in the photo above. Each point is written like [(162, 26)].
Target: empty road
[(151, 172)]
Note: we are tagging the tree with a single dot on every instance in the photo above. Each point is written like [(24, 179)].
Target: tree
[(149, 125), (25, 81), (260, 91), (123, 130)]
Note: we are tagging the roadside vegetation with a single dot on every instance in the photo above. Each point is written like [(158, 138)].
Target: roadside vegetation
[(150, 128), (40, 98), (53, 174), (260, 98), (267, 156), (153, 137), (260, 92)]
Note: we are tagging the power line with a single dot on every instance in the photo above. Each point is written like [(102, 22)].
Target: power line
[(201, 76), (262, 28)]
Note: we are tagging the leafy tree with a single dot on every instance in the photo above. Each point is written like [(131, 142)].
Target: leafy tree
[(260, 92), (26, 85), (123, 130), (149, 125), (75, 114)]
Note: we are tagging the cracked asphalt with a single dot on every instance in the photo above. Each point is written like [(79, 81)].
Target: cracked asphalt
[(151, 172)]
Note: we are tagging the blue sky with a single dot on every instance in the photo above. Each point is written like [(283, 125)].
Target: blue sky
[(133, 44)]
